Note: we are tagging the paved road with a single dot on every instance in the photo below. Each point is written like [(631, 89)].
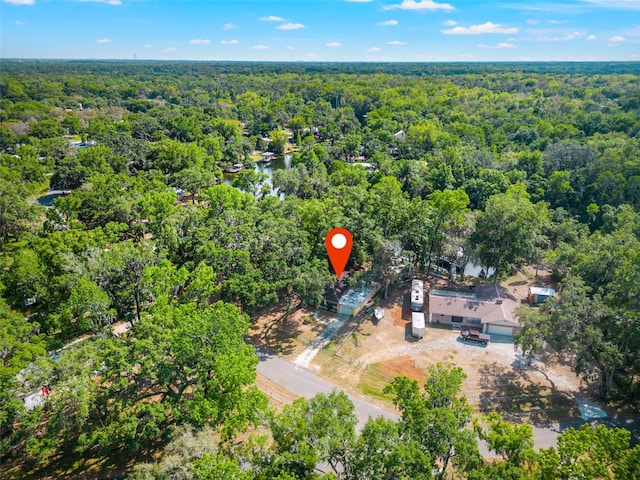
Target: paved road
[(305, 383)]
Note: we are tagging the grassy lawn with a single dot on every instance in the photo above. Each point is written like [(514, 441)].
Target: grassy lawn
[(372, 383)]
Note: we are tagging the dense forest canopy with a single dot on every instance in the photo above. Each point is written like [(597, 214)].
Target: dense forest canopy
[(503, 164)]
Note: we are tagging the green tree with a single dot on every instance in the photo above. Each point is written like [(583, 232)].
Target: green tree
[(20, 344), (8, 139), (588, 452), (72, 124), (321, 429), (157, 207), (122, 275), (182, 456), (183, 364), (279, 139), (382, 453), (15, 212), (69, 173), (509, 230), (576, 323), (386, 255), (91, 307), (437, 418), (46, 128), (249, 181), (389, 205), (194, 180), (447, 208), (514, 443)]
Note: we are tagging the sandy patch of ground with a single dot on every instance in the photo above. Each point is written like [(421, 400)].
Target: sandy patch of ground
[(278, 395)]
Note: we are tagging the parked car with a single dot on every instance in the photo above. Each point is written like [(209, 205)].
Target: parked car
[(475, 336)]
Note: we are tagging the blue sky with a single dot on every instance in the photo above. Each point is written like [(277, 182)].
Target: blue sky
[(321, 30)]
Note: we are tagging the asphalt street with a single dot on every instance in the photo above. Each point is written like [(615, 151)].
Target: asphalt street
[(305, 383)]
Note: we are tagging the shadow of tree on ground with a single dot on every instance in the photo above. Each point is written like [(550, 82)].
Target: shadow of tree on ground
[(515, 395)]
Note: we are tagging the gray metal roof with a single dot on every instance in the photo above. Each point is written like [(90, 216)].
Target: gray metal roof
[(546, 291)]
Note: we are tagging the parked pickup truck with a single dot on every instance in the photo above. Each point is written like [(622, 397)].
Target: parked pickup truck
[(475, 336)]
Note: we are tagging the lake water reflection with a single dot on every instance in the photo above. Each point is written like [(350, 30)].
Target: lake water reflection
[(278, 163)]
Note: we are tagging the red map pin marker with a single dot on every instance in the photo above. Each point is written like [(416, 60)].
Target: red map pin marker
[(338, 242)]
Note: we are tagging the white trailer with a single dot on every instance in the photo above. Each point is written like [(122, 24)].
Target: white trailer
[(417, 295), (417, 324)]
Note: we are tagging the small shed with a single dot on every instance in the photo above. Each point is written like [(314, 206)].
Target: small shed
[(417, 324), (539, 295), (352, 302)]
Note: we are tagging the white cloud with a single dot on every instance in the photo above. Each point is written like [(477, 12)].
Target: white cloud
[(108, 2), (259, 47), (567, 37), (21, 2), (449, 23), (396, 42), (290, 26), (374, 49), (467, 56), (359, 1), (499, 45), (19, 22), (617, 39), (103, 40), (425, 5), (533, 21), (228, 26), (170, 50), (148, 45), (557, 22), (272, 18), (289, 47), (229, 42), (333, 44), (387, 23), (591, 37), (200, 41), (488, 27)]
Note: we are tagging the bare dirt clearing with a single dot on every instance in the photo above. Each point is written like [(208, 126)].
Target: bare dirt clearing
[(286, 334)]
